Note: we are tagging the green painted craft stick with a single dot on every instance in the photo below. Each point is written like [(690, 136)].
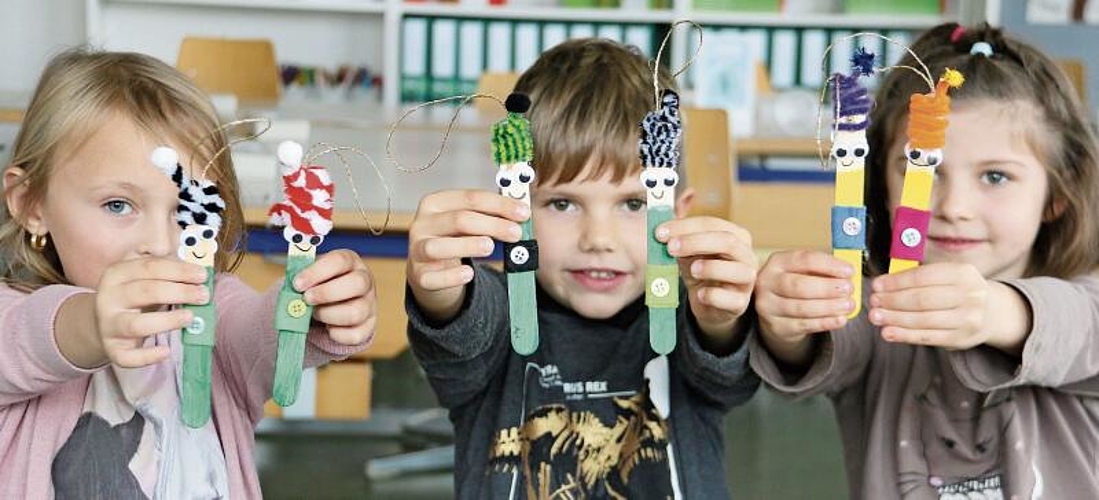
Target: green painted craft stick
[(292, 318), (661, 285), (512, 151), (196, 385), (523, 305), (198, 345)]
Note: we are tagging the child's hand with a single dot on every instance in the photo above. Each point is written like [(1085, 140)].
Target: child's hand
[(450, 226), (129, 303), (799, 293), (943, 304), (718, 266), (340, 288)]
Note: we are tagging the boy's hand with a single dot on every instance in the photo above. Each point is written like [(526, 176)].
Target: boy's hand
[(340, 288), (448, 227), (799, 293), (129, 306), (718, 266), (948, 305)]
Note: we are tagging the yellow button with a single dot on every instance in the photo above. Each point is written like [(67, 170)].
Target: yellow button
[(296, 308)]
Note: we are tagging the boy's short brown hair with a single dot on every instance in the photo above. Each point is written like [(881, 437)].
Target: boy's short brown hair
[(588, 97)]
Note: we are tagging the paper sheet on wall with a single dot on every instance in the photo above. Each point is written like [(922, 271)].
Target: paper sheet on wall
[(726, 78)]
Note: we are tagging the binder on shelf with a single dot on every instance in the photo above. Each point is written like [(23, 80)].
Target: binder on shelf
[(414, 76), (527, 47), (444, 58), (499, 46), (813, 43)]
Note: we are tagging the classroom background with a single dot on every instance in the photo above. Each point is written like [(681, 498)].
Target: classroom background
[(341, 71)]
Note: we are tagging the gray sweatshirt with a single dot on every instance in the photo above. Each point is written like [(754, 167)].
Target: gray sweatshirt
[(922, 422), (593, 413)]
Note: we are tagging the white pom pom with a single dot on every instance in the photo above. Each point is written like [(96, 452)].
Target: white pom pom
[(165, 159), (290, 154)]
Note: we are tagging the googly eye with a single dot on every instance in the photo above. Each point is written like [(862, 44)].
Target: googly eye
[(190, 241), (525, 174), (912, 154), (934, 160), (650, 178), (316, 240), (860, 152), (671, 178), (503, 178), (207, 234)]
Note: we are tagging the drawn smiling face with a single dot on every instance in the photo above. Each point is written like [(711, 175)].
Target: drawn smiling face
[(198, 245), (926, 159), (301, 243), (850, 150), (515, 179), (659, 186)]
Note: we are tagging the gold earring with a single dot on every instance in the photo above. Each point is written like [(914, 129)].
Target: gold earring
[(38, 242)]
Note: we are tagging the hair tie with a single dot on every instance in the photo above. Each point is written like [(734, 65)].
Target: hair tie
[(956, 35), (983, 48)]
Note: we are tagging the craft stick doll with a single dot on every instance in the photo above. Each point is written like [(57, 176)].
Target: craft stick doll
[(661, 131), (927, 120), (851, 107), (513, 150), (306, 215), (199, 214)]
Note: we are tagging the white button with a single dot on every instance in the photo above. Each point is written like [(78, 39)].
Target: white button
[(520, 255), (911, 237), (197, 326), (660, 287), (852, 226)]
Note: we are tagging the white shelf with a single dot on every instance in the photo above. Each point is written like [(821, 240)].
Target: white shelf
[(346, 6), (610, 15), (706, 17)]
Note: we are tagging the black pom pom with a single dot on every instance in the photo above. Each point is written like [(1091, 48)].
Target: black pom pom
[(517, 103)]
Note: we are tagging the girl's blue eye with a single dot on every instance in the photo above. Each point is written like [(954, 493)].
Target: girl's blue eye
[(635, 204), (994, 177), (118, 207)]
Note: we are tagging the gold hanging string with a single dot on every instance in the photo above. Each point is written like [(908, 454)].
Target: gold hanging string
[(390, 149), (229, 144), (339, 151), (660, 54)]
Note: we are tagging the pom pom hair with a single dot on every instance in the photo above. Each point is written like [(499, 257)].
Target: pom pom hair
[(850, 97), (308, 192), (661, 131), (511, 138), (928, 112)]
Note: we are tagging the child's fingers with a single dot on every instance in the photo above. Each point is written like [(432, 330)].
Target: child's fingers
[(802, 326), (724, 271), (810, 309), (152, 293), (470, 223), (920, 299), (811, 263), (344, 287), (328, 266), (442, 279), (718, 243), (950, 319), (485, 202), (923, 336), (723, 298), (349, 313), (134, 325), (353, 335), (141, 356), (690, 225), (155, 269), (803, 286), (434, 249), (922, 276)]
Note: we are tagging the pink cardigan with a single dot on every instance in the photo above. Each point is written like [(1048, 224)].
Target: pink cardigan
[(42, 394)]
